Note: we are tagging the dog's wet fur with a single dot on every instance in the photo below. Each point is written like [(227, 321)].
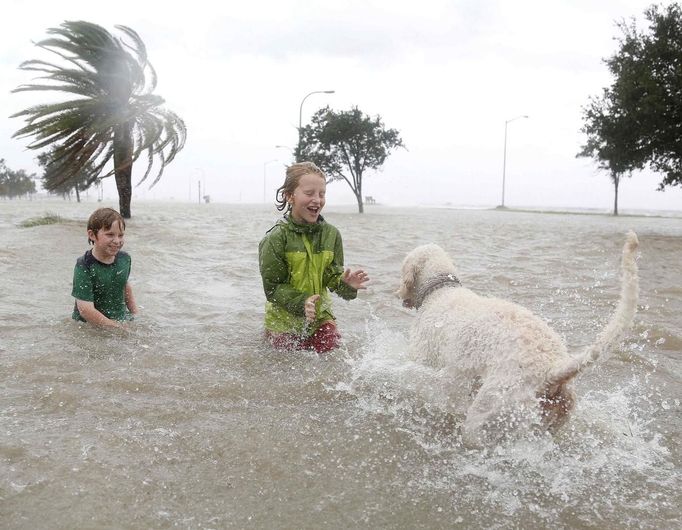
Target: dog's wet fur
[(502, 360)]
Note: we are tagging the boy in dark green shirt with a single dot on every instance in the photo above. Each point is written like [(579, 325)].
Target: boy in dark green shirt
[(100, 279)]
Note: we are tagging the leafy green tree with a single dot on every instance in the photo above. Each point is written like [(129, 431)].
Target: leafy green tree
[(53, 181), (15, 183), (611, 139), (347, 144), (114, 115), (646, 95)]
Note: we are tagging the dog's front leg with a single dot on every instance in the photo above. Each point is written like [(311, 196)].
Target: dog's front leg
[(486, 404)]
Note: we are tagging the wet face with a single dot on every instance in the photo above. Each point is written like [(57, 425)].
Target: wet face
[(308, 198), (107, 242)]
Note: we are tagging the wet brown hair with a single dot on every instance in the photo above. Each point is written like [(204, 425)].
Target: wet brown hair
[(103, 218), (293, 176)]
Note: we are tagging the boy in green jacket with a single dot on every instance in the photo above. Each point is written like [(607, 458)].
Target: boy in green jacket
[(301, 260)]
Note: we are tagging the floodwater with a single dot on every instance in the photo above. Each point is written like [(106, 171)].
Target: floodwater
[(191, 421)]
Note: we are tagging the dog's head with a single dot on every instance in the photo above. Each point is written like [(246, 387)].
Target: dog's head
[(421, 263)]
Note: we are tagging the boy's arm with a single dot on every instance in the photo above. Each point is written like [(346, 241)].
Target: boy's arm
[(93, 316), (130, 299)]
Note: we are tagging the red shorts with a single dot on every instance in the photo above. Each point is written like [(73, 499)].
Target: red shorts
[(325, 339)]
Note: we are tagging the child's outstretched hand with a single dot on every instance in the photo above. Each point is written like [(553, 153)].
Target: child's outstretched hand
[(355, 279), (310, 309)]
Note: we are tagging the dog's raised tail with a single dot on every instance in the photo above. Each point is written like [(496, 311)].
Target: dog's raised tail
[(620, 321)]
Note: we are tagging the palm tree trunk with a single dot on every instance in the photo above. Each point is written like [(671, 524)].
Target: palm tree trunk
[(616, 179), (123, 167)]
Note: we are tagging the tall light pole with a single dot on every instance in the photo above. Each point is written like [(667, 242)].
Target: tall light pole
[(504, 159), (285, 147), (201, 171), (265, 174), (201, 175), (300, 110)]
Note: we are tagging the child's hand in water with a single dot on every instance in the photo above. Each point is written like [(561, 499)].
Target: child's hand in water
[(355, 279), (310, 307)]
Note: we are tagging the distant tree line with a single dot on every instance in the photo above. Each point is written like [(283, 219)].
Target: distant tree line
[(15, 183), (636, 122), (53, 183)]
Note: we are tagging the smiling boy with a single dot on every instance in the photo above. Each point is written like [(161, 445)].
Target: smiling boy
[(104, 296)]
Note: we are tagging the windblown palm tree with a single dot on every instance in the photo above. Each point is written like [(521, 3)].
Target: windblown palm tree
[(114, 115)]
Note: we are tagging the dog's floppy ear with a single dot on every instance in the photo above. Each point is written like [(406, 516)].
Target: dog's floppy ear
[(409, 277)]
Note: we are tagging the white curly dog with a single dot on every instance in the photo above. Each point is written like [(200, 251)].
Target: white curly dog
[(502, 363)]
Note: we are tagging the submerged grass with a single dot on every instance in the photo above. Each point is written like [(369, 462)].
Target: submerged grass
[(47, 219)]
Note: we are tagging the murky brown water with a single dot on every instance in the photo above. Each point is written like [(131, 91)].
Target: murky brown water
[(191, 421)]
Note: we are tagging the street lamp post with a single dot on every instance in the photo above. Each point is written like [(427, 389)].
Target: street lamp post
[(504, 159), (265, 174), (201, 175), (300, 110), (291, 151), (285, 147)]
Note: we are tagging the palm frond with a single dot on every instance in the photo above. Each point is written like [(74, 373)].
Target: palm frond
[(112, 81)]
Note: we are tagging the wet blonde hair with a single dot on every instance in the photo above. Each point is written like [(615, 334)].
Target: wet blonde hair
[(104, 218), (293, 177)]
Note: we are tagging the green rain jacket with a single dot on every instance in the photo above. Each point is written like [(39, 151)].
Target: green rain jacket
[(297, 261)]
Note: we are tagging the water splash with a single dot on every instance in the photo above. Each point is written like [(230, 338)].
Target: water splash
[(609, 454)]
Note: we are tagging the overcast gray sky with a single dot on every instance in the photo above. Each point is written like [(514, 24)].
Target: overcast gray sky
[(446, 74)]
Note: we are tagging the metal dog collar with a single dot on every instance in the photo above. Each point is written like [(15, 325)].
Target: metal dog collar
[(433, 284)]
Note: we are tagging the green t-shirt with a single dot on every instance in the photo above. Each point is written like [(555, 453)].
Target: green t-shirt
[(102, 283)]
